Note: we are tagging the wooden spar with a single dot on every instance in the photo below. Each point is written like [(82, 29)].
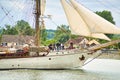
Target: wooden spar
[(98, 47), (37, 15)]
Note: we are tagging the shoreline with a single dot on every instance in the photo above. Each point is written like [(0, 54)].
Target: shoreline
[(109, 56)]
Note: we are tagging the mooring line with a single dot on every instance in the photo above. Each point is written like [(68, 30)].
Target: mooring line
[(93, 59)]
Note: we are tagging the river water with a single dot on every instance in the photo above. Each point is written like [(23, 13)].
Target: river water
[(99, 69)]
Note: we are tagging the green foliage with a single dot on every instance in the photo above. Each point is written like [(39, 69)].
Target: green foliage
[(116, 37), (63, 38), (9, 30), (21, 28), (74, 36), (1, 30), (43, 36), (62, 33), (48, 37), (24, 28), (0, 37), (47, 42), (50, 34)]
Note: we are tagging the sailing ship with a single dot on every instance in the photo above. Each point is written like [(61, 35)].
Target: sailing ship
[(82, 22)]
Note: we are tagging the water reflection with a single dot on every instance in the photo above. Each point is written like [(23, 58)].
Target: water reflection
[(55, 75)]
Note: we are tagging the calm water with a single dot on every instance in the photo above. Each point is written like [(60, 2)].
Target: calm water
[(98, 69)]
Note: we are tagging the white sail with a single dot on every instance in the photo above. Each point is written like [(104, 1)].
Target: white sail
[(43, 4), (93, 21), (73, 18), (77, 24), (100, 36)]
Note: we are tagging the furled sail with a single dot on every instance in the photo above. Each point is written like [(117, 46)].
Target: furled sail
[(42, 7), (77, 24), (43, 4), (95, 23)]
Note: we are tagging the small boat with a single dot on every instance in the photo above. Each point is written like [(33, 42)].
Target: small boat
[(82, 22)]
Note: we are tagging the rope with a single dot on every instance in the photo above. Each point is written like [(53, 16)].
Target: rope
[(89, 61), (110, 6), (7, 13), (92, 59), (59, 26)]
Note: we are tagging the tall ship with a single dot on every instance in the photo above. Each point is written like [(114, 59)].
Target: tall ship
[(82, 22)]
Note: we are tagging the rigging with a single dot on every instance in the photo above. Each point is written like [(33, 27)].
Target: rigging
[(110, 6), (7, 13)]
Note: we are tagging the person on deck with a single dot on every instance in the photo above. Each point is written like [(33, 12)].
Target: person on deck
[(50, 47), (71, 46), (62, 46), (58, 46)]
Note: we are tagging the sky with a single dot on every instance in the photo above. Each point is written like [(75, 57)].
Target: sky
[(13, 10)]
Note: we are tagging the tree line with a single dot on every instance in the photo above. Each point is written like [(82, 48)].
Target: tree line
[(61, 34)]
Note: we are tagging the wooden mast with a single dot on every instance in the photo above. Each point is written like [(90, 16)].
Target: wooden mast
[(37, 27)]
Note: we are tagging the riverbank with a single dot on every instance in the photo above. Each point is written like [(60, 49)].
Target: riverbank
[(110, 54)]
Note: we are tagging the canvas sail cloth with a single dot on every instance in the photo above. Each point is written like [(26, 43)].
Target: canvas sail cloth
[(95, 23), (77, 24), (43, 4), (42, 7)]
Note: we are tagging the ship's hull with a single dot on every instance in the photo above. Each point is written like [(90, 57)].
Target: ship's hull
[(67, 60)]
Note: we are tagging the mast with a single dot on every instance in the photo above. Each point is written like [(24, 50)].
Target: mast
[(37, 28)]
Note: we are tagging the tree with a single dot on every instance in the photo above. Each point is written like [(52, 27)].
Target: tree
[(24, 28), (62, 33), (21, 28), (115, 37), (9, 30), (50, 34), (43, 35), (1, 31)]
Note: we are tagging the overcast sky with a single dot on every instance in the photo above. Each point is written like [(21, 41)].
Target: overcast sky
[(23, 9)]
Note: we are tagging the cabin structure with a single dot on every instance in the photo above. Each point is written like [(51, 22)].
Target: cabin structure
[(14, 40), (76, 42), (93, 42), (82, 42)]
